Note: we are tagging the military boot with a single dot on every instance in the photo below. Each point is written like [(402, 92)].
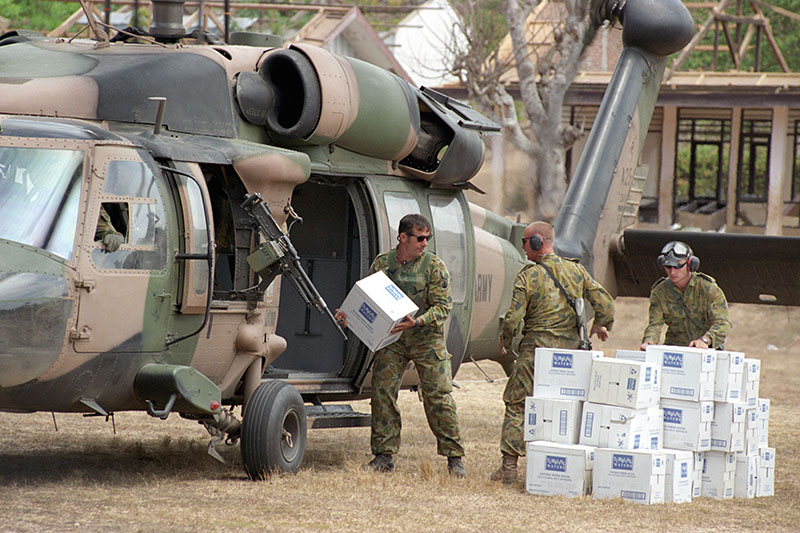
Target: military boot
[(507, 473), (455, 467), (383, 462)]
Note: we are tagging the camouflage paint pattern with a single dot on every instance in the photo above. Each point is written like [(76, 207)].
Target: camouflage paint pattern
[(498, 258), (705, 303), (427, 282), (546, 320)]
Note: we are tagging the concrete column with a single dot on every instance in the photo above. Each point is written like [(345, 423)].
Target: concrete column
[(666, 183), (733, 169), (777, 170)]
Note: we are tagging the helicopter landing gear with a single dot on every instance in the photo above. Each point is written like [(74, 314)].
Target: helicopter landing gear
[(273, 430)]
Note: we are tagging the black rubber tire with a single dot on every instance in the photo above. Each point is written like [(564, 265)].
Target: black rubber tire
[(275, 409)]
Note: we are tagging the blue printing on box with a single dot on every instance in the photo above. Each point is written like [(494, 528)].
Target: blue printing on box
[(673, 416), (587, 431), (562, 422), (673, 360), (565, 391), (367, 312), (394, 292), (681, 391), (621, 461), (562, 360), (555, 463), (632, 495)]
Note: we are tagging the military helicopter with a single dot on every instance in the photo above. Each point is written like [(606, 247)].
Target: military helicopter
[(250, 184)]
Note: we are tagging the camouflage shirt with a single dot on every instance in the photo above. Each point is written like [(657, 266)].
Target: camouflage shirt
[(707, 307), (426, 281), (548, 317)]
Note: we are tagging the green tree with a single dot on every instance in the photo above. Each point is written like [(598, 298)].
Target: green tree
[(30, 15)]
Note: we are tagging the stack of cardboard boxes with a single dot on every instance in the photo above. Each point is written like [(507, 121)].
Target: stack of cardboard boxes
[(664, 425)]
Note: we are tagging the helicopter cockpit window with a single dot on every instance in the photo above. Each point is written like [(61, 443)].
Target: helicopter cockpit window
[(40, 197), (450, 236), (132, 187), (398, 205)]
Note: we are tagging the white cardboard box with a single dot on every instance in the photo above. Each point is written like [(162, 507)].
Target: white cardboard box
[(728, 427), (746, 474), (765, 481), (719, 475), (551, 419), (639, 355), (634, 475), (686, 373), (555, 469), (625, 383), (762, 417), (679, 475), (751, 430), (562, 373), (374, 306), (697, 474), (751, 378), (728, 380), (687, 425), (621, 428)]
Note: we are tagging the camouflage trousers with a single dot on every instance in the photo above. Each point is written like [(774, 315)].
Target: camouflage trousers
[(435, 378), (518, 387)]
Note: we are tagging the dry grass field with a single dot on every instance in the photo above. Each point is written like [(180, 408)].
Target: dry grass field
[(154, 475)]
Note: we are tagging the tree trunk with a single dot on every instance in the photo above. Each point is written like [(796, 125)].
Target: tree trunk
[(549, 181)]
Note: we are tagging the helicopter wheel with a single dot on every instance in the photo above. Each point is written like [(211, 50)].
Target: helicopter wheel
[(273, 430)]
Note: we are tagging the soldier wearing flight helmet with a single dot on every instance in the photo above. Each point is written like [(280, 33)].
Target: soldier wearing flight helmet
[(690, 303)]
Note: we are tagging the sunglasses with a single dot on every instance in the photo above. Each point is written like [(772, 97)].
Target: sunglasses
[(675, 268), (527, 239), (421, 238)]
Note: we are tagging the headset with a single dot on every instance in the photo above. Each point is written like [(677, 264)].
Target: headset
[(676, 252), (535, 241)]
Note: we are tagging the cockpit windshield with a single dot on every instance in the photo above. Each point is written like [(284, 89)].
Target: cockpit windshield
[(39, 197)]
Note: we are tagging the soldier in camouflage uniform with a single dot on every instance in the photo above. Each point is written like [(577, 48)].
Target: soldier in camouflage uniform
[(548, 320), (424, 278), (690, 303), (107, 233)]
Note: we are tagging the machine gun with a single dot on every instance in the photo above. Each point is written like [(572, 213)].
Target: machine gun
[(278, 256)]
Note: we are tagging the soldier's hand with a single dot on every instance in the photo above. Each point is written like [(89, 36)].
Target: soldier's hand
[(113, 241), (341, 318), (643, 347), (600, 331), (698, 343), (502, 348), (407, 323)]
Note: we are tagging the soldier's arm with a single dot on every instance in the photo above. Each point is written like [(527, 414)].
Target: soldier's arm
[(601, 300), (515, 314), (439, 301), (718, 312), (377, 264), (655, 321)]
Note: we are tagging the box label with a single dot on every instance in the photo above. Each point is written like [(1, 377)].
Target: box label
[(394, 292), (632, 495), (673, 416), (367, 312), (622, 462), (562, 360), (555, 463), (673, 360)]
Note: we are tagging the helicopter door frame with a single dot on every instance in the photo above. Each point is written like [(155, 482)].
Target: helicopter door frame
[(198, 238), (124, 175)]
